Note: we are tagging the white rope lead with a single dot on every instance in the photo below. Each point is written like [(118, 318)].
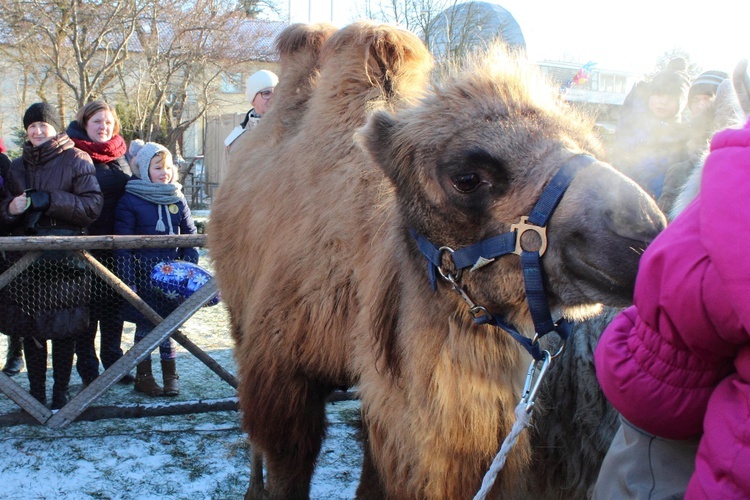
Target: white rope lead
[(523, 420)]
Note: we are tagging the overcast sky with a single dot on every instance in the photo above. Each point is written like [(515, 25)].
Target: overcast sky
[(627, 36)]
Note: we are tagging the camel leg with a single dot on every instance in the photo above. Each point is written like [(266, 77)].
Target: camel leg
[(256, 490), (370, 484), (289, 436), (256, 471)]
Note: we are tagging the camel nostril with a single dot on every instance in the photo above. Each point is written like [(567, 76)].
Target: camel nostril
[(635, 224)]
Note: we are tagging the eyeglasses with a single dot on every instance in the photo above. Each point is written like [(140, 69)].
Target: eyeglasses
[(265, 94)]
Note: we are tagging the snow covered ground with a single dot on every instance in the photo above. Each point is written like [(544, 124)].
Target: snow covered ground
[(176, 457)]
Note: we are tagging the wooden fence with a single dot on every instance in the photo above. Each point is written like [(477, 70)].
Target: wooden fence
[(80, 406)]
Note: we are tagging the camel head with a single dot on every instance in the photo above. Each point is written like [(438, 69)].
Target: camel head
[(474, 156)]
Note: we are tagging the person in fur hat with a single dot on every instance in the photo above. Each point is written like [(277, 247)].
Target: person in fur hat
[(650, 136), (153, 204)]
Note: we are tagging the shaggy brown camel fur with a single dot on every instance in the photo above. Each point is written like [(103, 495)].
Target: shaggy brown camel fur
[(310, 233)]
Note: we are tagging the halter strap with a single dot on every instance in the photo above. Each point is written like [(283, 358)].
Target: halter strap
[(484, 252)]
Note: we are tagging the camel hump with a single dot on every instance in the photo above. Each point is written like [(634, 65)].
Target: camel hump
[(303, 39), (396, 61), (299, 52)]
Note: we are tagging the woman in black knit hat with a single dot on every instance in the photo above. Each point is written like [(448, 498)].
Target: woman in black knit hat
[(51, 190)]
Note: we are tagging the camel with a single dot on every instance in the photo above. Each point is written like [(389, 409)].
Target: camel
[(318, 233)]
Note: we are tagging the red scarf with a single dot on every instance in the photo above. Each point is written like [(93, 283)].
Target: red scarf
[(103, 152)]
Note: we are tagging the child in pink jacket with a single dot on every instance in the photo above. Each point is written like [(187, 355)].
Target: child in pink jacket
[(676, 364)]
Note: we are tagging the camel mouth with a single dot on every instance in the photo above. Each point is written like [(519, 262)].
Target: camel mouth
[(612, 286)]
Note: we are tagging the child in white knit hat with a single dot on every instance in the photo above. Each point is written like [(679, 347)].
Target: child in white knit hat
[(153, 204)]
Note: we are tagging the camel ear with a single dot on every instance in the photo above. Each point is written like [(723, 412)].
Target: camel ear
[(377, 138)]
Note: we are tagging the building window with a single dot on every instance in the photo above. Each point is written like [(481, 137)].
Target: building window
[(612, 83), (233, 83)]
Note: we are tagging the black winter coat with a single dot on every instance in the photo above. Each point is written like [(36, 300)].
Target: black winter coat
[(66, 173), (112, 178), (51, 298)]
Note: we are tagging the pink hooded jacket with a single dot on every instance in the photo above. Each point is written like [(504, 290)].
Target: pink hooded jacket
[(677, 363)]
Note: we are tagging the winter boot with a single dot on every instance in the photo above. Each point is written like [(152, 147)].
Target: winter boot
[(62, 366), (38, 383), (59, 397), (144, 379), (35, 354), (126, 379), (14, 360), (169, 373)]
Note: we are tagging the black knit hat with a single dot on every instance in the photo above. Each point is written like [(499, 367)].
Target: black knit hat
[(670, 82), (707, 83), (42, 112)]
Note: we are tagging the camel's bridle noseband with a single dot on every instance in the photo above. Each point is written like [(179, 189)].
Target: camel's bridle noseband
[(480, 254)]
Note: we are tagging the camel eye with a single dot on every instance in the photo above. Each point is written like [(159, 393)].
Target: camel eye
[(466, 183)]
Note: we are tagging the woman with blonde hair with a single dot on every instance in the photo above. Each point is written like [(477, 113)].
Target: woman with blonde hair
[(96, 131)]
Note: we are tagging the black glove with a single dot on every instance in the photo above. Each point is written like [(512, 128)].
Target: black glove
[(31, 221), (39, 201)]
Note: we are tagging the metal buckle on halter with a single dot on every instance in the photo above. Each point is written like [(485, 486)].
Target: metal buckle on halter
[(523, 226), (453, 278)]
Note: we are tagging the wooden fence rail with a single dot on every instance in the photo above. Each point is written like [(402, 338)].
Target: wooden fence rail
[(164, 327), (80, 406)]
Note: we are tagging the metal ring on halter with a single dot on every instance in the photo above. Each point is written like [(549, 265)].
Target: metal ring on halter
[(478, 311), (536, 338), (448, 276)]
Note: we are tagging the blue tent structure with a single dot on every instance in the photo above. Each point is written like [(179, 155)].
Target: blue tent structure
[(470, 25)]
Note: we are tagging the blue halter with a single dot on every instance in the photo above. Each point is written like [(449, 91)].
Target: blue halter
[(480, 254)]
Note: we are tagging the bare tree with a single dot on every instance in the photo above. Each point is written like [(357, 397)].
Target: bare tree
[(691, 68), (255, 9), (449, 28), (161, 60), (182, 55), (416, 16), (70, 47)]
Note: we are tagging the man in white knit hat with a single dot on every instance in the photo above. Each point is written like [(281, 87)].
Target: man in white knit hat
[(259, 91)]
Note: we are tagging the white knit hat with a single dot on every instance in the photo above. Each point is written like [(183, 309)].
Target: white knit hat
[(141, 155), (260, 80)]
